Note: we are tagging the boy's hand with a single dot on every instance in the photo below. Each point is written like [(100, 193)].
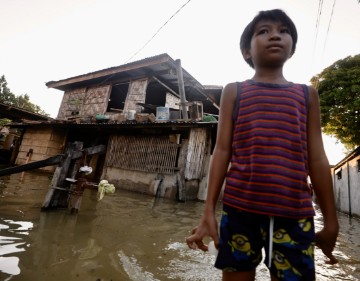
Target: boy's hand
[(326, 240), (206, 228), (195, 240)]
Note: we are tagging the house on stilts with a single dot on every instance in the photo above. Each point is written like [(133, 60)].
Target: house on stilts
[(158, 124)]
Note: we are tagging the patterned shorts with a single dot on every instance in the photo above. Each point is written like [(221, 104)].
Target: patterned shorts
[(243, 235)]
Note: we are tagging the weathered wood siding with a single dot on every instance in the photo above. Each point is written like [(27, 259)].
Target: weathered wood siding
[(197, 153), (181, 163), (96, 101), (136, 94), (45, 142), (172, 101), (87, 102), (143, 153), (71, 102)]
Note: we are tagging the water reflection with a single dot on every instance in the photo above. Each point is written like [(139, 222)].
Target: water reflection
[(11, 242), (126, 236)]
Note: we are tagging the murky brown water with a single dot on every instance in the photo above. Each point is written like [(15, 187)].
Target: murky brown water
[(126, 236)]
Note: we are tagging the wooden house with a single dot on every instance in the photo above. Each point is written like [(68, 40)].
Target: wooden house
[(346, 180), (120, 107), (9, 137)]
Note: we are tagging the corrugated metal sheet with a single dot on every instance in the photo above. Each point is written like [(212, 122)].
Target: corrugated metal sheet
[(163, 67)]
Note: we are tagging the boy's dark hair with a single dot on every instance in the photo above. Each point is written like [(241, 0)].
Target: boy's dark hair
[(276, 15)]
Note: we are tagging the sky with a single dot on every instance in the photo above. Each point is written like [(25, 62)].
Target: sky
[(42, 40)]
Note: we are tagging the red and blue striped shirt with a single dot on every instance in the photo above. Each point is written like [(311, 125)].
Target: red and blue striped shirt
[(269, 164)]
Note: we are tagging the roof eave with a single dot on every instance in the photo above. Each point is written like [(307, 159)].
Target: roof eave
[(65, 83)]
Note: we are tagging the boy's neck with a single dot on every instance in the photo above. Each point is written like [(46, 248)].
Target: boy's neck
[(269, 76)]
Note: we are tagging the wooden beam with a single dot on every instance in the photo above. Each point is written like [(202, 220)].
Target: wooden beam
[(54, 160), (149, 62), (180, 174), (55, 198), (98, 149), (181, 89), (167, 87)]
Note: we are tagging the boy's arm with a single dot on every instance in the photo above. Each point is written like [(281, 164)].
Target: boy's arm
[(218, 168), (319, 170), (222, 151)]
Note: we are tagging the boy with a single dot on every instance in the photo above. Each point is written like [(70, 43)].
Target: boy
[(269, 130)]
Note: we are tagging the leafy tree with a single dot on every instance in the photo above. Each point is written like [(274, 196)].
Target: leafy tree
[(4, 122), (21, 101), (339, 90), (6, 96)]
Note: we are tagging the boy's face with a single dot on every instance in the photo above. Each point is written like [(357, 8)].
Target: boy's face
[(271, 44)]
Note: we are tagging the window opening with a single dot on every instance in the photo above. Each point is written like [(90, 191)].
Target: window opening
[(339, 174), (118, 96)]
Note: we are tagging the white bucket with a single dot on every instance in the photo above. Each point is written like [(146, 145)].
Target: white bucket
[(162, 113), (130, 114)]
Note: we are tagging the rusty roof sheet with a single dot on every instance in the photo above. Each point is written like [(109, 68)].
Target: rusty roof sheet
[(17, 114), (162, 66)]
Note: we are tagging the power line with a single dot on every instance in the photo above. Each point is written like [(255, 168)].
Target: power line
[(316, 34), (317, 24), (327, 32), (106, 79), (156, 33), (318, 18)]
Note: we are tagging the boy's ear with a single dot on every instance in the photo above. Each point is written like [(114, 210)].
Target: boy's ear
[(246, 54), (291, 54)]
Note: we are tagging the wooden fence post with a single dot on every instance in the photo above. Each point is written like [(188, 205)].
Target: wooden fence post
[(57, 196), (180, 175)]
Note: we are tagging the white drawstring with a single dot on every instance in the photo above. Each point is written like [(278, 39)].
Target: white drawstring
[(271, 232)]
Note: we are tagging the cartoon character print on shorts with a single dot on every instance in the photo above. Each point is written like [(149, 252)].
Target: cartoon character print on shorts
[(282, 237), (305, 225), (285, 270), (240, 246), (224, 219), (308, 254)]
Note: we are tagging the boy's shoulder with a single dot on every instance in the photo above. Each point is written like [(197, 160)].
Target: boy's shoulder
[(235, 86), (230, 87)]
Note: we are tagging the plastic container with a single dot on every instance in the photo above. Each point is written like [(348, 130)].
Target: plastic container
[(130, 115), (162, 113), (101, 118), (212, 249)]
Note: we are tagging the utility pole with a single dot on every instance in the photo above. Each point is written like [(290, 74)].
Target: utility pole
[(181, 89)]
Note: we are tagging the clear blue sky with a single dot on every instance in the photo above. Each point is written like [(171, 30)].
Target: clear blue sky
[(43, 40)]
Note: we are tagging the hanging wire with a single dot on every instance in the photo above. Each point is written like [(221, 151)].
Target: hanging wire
[(315, 37), (317, 26), (318, 18), (156, 33), (326, 37), (327, 32), (106, 79)]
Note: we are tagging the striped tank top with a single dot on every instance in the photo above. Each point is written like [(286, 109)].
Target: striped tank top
[(269, 164)]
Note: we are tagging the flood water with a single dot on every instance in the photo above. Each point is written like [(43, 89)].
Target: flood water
[(125, 236)]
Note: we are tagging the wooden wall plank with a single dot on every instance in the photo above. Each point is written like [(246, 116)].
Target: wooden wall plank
[(143, 153), (196, 152)]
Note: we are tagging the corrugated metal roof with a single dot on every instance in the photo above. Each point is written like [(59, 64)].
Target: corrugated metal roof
[(105, 125), (15, 113), (163, 67), (350, 156)]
